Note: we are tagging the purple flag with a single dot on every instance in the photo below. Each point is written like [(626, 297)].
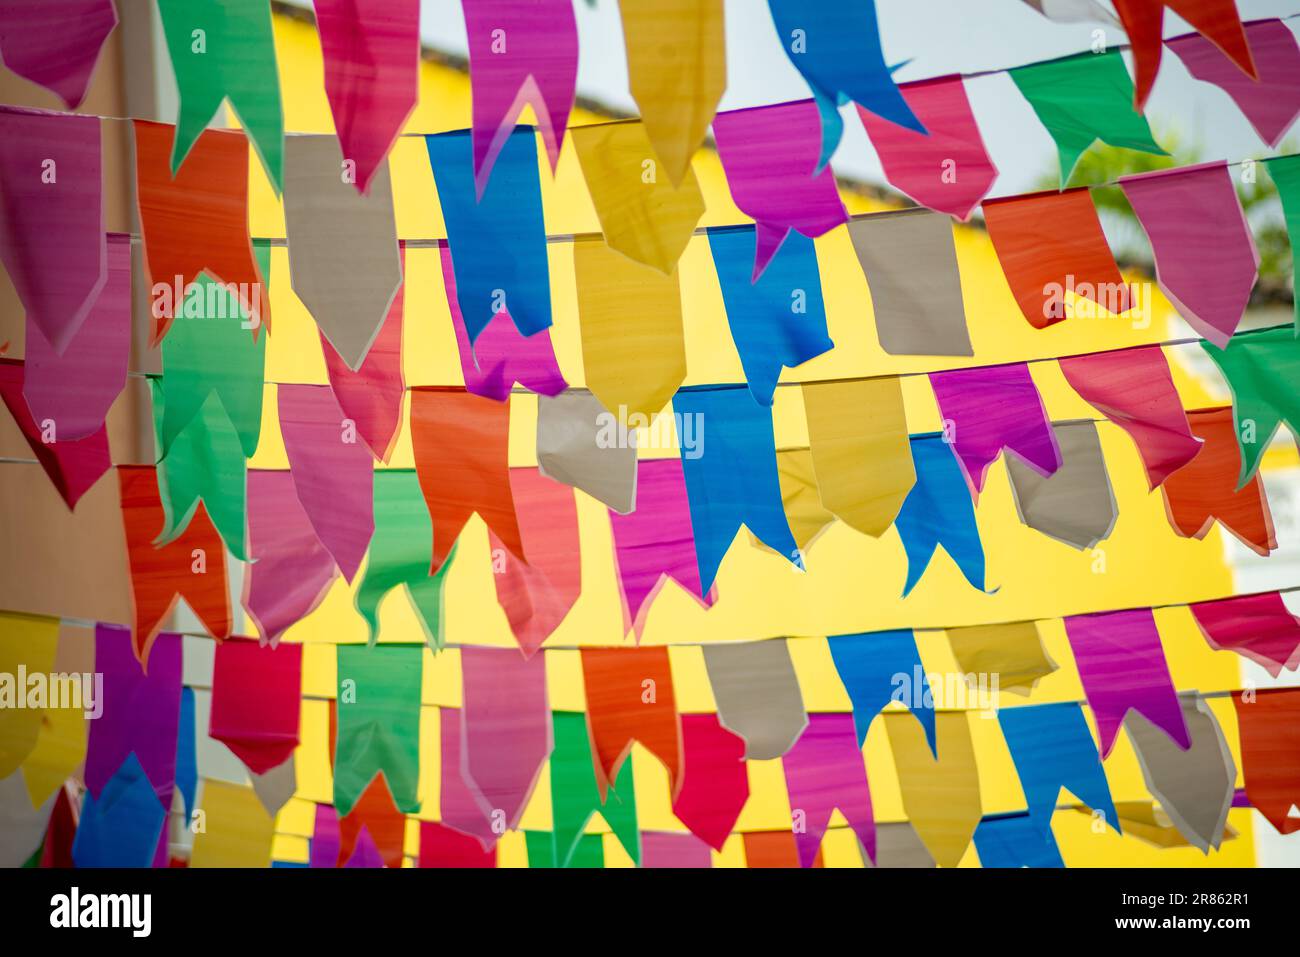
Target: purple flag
[(993, 408), (1206, 260), (520, 54), (76, 390), (372, 71), (769, 154), (460, 805), (332, 471), (1122, 666), (141, 712), (656, 541), (56, 43), (1270, 103), (52, 240), (290, 571), (660, 849), (500, 356), (505, 729), (824, 771), (325, 837)]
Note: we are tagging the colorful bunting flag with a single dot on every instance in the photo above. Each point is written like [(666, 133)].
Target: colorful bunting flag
[(871, 664), (459, 807), (1072, 11), (373, 833), (938, 511), (837, 50), (757, 695), (770, 156), (773, 849), (802, 505), (1285, 171), (897, 845), (256, 695), (28, 646), (497, 236), (630, 698), (570, 449), (777, 320), (378, 723), (122, 826), (1258, 627), (941, 795), (441, 846), (674, 851), (824, 771), (371, 50), (647, 219), (56, 44), (237, 830), (1016, 840), (714, 783), (1268, 725), (575, 796), (1013, 651), (1075, 504), (276, 786)]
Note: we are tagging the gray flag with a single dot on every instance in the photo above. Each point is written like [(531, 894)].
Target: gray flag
[(757, 694), (570, 449), (1075, 504)]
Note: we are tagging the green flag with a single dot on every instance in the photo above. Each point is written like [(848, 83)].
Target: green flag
[(401, 553), (1082, 99), (223, 49), (1285, 171), (575, 798), (378, 723), (1263, 372), (205, 463)]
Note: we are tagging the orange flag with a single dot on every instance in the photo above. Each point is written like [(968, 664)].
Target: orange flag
[(1269, 728), (773, 849), (374, 811), (461, 442), (196, 222), (1205, 488), (192, 566), (630, 697)]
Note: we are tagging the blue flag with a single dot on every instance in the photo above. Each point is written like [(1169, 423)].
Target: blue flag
[(1015, 840), (187, 763), (122, 828), (938, 511), (879, 667)]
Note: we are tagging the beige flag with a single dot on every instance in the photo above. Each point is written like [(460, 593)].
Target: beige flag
[(757, 694), (573, 448), (677, 71), (630, 316), (910, 263), (1013, 651), (22, 827), (861, 452), (276, 786), (1075, 504), (941, 798), (898, 845), (643, 215), (344, 260)]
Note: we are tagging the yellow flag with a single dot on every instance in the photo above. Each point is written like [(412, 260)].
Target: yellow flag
[(631, 320), (237, 831), (861, 452), (677, 71), (941, 798), (803, 507), (61, 744), (644, 215), (1014, 652), (27, 648)]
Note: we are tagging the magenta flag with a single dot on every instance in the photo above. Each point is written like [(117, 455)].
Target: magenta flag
[(256, 701), (332, 471), (290, 571), (947, 168), (325, 837), (75, 390), (1258, 627), (371, 396), (141, 711), (990, 409), (520, 54), (715, 782), (372, 72), (769, 154), (56, 43), (1206, 260), (824, 771), (1134, 389), (660, 849), (506, 734), (52, 240), (1122, 666), (537, 595), (1272, 102), (460, 807), (500, 356), (656, 541)]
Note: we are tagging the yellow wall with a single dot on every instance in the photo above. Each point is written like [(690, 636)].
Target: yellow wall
[(853, 583)]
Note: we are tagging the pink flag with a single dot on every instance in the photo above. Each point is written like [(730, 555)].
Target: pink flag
[(715, 781), (332, 471), (56, 43), (947, 168), (290, 571), (372, 72), (824, 771), (990, 409), (52, 240), (1272, 102), (1258, 627), (655, 541), (1206, 260), (325, 837), (520, 54), (1134, 390), (500, 356), (73, 465), (769, 154), (660, 849), (76, 390), (1122, 666), (256, 697), (505, 728), (372, 395), (536, 595), (460, 807)]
